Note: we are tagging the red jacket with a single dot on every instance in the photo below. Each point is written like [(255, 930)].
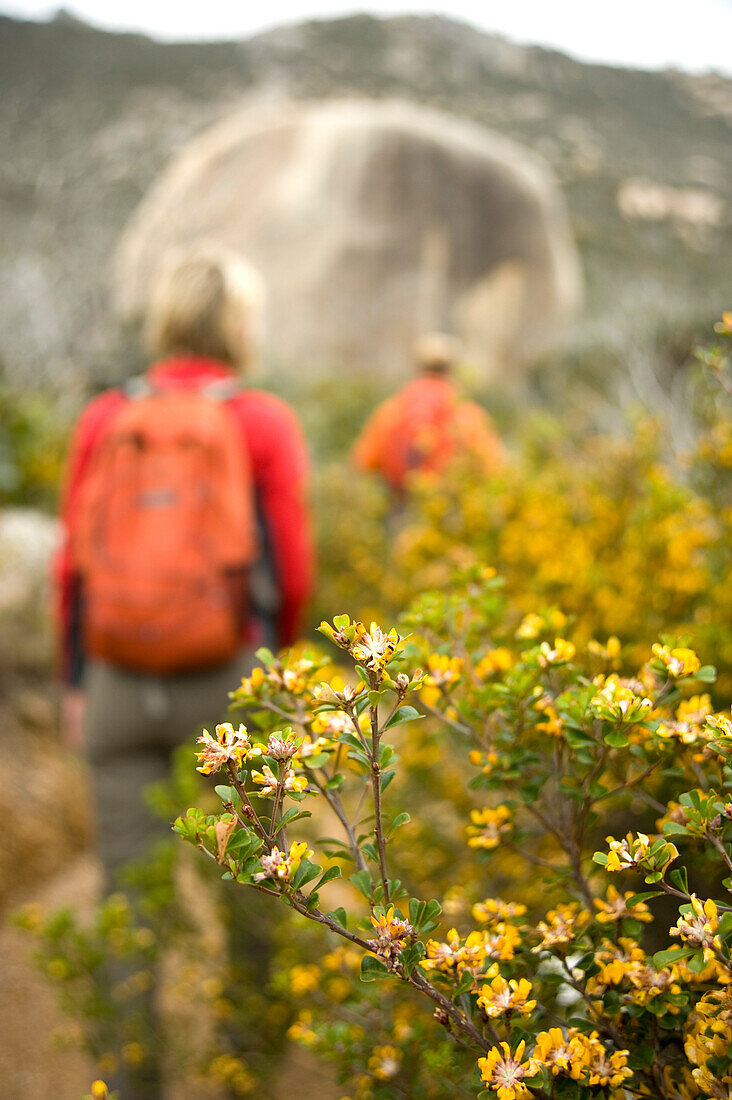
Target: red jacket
[(279, 466), (422, 427)]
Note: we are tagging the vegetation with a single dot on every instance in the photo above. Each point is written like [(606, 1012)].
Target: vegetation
[(529, 854)]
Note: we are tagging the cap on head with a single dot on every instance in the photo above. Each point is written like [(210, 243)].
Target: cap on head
[(436, 352)]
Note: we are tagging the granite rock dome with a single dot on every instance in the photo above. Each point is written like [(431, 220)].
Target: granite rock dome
[(370, 221)]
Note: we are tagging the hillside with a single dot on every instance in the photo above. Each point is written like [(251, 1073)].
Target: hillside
[(88, 118)]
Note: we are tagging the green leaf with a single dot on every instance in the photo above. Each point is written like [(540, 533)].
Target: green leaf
[(432, 910), (362, 881), (305, 873), (616, 739), (226, 794), (680, 879), (266, 656), (697, 962), (339, 915), (636, 899), (416, 911), (707, 674), (350, 739), (330, 874), (404, 714), (670, 956), (293, 814), (387, 778), (372, 969), (336, 782), (400, 819), (724, 928), (464, 985)]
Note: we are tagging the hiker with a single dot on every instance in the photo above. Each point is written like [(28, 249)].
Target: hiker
[(427, 423), (186, 546)]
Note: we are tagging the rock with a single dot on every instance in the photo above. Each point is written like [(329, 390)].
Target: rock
[(27, 541), (370, 221)]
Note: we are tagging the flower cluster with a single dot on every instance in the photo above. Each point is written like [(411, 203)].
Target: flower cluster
[(229, 746), (268, 782), (679, 662), (502, 998), (617, 701), (639, 851), (392, 935), (488, 826), (698, 924), (280, 865)]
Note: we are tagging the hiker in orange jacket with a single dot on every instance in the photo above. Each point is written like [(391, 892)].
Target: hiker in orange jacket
[(186, 546), (427, 423)]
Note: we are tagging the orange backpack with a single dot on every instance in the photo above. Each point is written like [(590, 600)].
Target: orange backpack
[(166, 532), (423, 427)]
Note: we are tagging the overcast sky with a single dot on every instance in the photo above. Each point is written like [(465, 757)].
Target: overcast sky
[(691, 34)]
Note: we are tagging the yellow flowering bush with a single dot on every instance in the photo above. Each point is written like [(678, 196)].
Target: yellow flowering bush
[(573, 990), (629, 535)]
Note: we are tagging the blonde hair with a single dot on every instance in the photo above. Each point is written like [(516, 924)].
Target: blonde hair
[(207, 302), (436, 351)]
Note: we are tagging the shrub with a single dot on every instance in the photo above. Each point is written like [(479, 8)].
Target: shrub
[(587, 1000)]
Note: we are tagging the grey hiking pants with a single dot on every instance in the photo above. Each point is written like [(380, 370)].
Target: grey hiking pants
[(133, 723)]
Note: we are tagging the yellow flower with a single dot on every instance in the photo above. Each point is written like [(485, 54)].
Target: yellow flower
[(562, 652), (229, 745), (551, 723), (277, 865), (385, 1062), (698, 924), (301, 1031), (392, 933), (493, 909), (679, 662), (531, 627), (304, 979), (454, 955), (99, 1090), (373, 648), (614, 907), (444, 671), (561, 925), (488, 826), (497, 660), (616, 701), (501, 998), (504, 1072), (554, 1051), (267, 780)]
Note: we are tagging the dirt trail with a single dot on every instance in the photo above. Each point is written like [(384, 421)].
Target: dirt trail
[(32, 1067)]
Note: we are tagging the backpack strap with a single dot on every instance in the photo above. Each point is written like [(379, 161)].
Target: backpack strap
[(220, 389)]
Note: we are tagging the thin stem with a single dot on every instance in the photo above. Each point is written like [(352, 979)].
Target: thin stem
[(456, 1016), (720, 848), (285, 767), (627, 786), (452, 722), (299, 902), (246, 801), (337, 807), (376, 788)]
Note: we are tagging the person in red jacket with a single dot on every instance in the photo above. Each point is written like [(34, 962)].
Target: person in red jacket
[(427, 423), (202, 323)]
